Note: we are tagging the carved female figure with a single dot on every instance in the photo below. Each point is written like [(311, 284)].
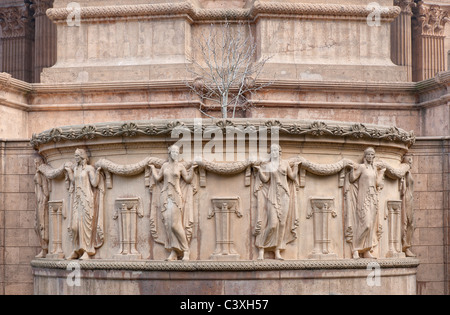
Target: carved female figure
[(408, 220), (175, 215), (362, 228), (277, 204), (87, 191), (41, 188)]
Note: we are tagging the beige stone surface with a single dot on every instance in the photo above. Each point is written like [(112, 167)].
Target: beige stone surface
[(48, 105), (18, 241), (338, 75), (432, 216), (327, 150), (157, 36), (303, 281), (429, 249)]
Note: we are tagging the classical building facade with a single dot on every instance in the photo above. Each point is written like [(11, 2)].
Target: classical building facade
[(93, 89)]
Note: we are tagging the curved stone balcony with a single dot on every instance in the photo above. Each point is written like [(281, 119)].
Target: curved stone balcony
[(116, 202)]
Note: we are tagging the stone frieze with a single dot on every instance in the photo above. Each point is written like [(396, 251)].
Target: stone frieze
[(142, 11), (160, 128)]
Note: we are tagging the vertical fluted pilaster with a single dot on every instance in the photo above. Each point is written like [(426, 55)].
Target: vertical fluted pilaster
[(401, 37), (17, 38), (428, 25), (45, 38)]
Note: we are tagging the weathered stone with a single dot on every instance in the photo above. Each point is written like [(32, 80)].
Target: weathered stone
[(329, 61)]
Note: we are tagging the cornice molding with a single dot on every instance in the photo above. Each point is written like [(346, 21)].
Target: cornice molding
[(166, 127), (312, 9), (205, 266), (11, 85), (8, 82), (170, 10), (442, 79)]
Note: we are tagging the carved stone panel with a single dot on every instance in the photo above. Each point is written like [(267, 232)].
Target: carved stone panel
[(128, 210), (56, 218), (314, 204), (321, 209), (223, 210), (394, 208)]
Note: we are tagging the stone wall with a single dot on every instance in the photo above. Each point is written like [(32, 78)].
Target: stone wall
[(304, 94), (2, 224), (282, 31), (431, 238), (18, 242), (17, 236), (446, 185), (39, 107)]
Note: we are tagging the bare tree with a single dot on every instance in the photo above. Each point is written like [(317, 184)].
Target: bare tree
[(225, 68)]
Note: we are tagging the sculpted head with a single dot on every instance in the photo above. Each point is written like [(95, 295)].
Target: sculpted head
[(369, 155), (275, 151), (81, 156), (174, 153), (408, 159)]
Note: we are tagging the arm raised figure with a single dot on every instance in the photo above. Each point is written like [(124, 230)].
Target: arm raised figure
[(355, 173), (94, 176), (157, 175), (292, 173), (264, 178), (188, 176), (68, 167), (381, 170)]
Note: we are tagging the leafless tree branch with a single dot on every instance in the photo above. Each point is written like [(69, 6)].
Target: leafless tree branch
[(224, 68)]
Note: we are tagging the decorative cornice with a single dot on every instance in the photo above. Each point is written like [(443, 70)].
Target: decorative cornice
[(10, 85), (147, 11), (5, 81), (205, 266), (122, 11), (181, 85), (221, 14), (165, 127), (430, 20), (313, 9), (442, 79)]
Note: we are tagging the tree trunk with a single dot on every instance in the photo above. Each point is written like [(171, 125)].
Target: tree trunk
[(224, 105)]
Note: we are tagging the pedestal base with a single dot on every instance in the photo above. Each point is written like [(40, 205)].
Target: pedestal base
[(56, 256), (270, 277), (127, 257), (392, 254), (330, 256), (231, 257)]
